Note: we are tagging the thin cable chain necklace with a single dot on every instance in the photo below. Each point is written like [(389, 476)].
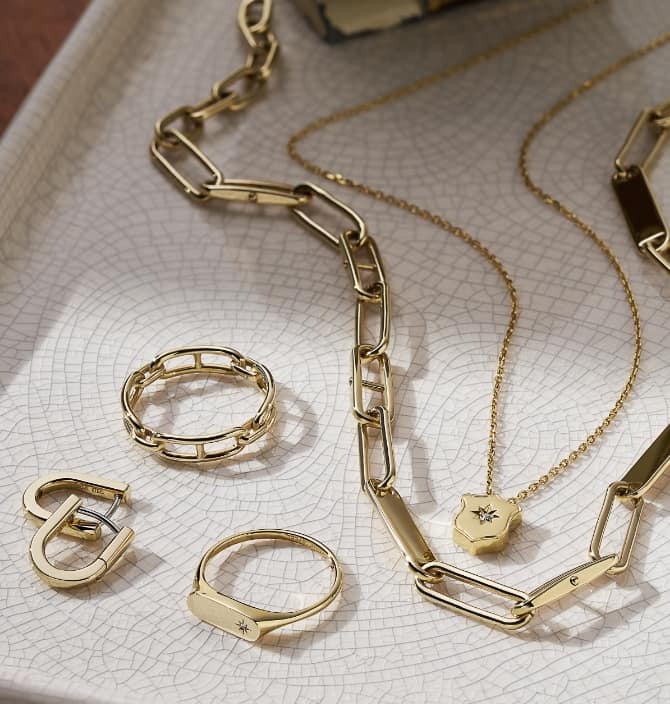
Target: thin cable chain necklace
[(492, 510)]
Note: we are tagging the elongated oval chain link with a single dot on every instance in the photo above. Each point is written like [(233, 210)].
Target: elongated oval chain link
[(425, 214)]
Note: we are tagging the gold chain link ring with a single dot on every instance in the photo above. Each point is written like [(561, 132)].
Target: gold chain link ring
[(203, 360)]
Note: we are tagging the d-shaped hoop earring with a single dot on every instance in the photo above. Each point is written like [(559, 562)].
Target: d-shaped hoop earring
[(63, 519), (86, 483)]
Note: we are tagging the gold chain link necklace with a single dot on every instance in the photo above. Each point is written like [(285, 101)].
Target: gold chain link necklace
[(372, 384), (485, 520)]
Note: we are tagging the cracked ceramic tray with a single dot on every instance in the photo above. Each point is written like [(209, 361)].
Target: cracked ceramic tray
[(103, 264)]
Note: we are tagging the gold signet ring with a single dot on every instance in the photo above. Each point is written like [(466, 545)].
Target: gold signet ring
[(250, 622)]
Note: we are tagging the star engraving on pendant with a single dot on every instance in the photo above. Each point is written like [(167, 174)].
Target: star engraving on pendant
[(484, 522), (242, 626), (486, 514)]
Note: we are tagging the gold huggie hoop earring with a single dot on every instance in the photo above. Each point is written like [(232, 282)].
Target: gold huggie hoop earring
[(246, 621), (87, 484), (64, 520)]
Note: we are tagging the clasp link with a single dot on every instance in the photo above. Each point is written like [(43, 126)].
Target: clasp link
[(257, 192), (564, 584)]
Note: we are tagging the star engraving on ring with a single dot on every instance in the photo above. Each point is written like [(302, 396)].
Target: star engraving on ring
[(486, 514), (243, 626)]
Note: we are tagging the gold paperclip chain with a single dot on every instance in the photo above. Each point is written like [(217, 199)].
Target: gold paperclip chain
[(372, 382)]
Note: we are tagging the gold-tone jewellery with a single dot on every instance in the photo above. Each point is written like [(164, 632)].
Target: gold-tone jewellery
[(223, 361), (484, 521), (631, 185), (250, 622), (371, 378), (65, 520)]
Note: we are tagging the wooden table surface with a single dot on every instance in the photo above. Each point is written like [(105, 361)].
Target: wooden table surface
[(31, 31)]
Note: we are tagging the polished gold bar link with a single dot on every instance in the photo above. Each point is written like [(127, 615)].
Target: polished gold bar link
[(640, 209), (198, 192), (564, 584), (617, 490), (365, 413), (401, 527), (633, 190), (649, 468), (352, 247), (388, 455), (257, 192), (313, 191), (426, 587), (383, 302)]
